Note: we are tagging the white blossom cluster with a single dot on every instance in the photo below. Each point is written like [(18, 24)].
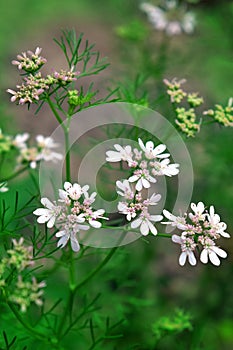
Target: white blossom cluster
[(43, 150), (199, 231), (146, 163), (72, 213), (170, 17)]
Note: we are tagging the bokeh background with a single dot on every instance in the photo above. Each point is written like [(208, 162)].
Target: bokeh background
[(153, 285)]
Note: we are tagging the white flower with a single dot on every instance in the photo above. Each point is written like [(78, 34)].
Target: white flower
[(198, 210), (129, 211), (93, 216), (126, 190), (212, 252), (73, 191), (89, 199), (187, 247), (171, 19), (47, 214), (152, 152), (144, 221), (121, 153), (164, 168), (216, 223), (143, 179), (153, 200), (3, 187), (20, 139), (175, 221), (69, 230), (46, 144)]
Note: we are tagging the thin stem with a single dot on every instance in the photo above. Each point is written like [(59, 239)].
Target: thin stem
[(56, 114), (96, 270), (67, 148)]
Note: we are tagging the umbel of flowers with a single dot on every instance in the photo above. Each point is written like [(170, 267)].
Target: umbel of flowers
[(72, 213), (146, 162), (199, 231)]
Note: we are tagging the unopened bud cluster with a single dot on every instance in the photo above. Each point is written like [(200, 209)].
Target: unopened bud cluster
[(223, 115), (14, 283), (186, 117), (34, 84)]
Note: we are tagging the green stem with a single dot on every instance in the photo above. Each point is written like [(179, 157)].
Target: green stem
[(96, 270), (67, 148), (56, 114)]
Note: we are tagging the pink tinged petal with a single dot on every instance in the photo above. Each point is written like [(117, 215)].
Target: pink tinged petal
[(133, 178), (63, 241), (145, 183), (159, 149), (42, 219), (136, 223), (141, 144), (152, 228), (152, 179), (62, 194), (74, 244), (168, 215), (139, 185), (220, 252), (95, 224), (150, 145), (214, 258), (164, 155), (113, 156), (144, 228), (182, 258), (46, 202), (60, 233), (51, 222), (83, 227), (40, 211), (200, 207), (176, 239), (204, 256), (67, 185), (211, 210), (192, 259), (156, 218)]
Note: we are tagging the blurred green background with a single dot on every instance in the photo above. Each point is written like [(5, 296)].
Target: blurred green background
[(153, 285)]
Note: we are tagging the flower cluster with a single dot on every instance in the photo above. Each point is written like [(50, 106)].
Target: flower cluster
[(30, 61), (170, 17), (43, 150), (199, 231), (27, 292), (20, 291), (34, 84), (20, 256), (146, 163), (72, 213), (223, 115), (185, 117)]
